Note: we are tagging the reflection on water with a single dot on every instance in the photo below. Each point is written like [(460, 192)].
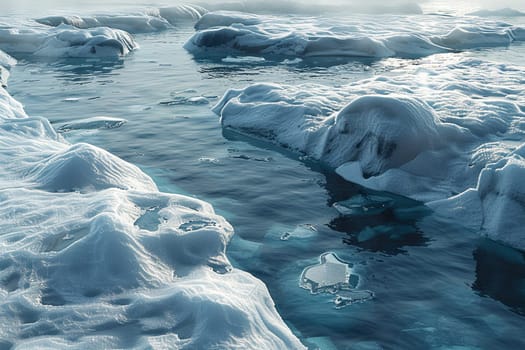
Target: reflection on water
[(500, 274)]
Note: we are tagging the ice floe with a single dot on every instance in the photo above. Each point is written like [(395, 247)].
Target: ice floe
[(92, 255), (151, 20), (66, 41), (433, 133), (226, 33)]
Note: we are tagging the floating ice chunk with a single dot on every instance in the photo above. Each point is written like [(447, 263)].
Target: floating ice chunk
[(474, 37), (140, 23), (182, 12), (334, 276), (225, 19), (245, 59), (364, 205), (83, 167), (331, 273), (93, 123), (67, 41), (504, 12)]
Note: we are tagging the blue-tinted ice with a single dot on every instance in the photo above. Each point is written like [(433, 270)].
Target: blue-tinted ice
[(334, 276)]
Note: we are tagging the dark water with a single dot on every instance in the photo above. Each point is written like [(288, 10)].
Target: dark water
[(436, 285)]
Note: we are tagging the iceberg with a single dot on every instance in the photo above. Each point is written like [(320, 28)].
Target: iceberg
[(433, 140), (93, 255), (66, 41)]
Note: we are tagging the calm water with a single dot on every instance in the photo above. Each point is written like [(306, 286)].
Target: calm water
[(435, 285)]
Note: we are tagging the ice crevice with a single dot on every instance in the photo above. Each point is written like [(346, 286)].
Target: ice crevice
[(88, 243)]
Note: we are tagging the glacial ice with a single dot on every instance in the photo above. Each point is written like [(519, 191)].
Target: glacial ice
[(86, 263), (424, 133), (66, 41), (226, 33)]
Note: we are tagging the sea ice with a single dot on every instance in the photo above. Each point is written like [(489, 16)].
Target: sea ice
[(66, 41), (334, 276), (224, 34)]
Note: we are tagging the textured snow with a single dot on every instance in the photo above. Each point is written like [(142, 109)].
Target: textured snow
[(226, 33), (151, 20), (424, 132), (66, 41), (92, 255)]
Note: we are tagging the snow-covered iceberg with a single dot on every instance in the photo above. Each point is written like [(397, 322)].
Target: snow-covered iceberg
[(66, 41), (425, 134), (6, 62), (92, 255), (226, 33), (151, 20)]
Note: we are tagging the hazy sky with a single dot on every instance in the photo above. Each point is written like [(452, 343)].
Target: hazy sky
[(39, 6)]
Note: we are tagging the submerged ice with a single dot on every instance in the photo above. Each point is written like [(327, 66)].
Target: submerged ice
[(334, 276)]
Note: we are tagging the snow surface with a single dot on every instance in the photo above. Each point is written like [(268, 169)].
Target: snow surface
[(151, 20), (427, 133), (66, 41), (92, 255), (226, 33)]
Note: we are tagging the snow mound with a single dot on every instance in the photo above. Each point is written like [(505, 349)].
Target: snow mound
[(84, 167), (93, 256), (67, 41)]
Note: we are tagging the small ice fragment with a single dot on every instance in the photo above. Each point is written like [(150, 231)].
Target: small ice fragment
[(285, 236), (334, 276)]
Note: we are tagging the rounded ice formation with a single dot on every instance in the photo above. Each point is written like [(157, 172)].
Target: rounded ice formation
[(67, 41), (381, 132), (466, 38), (83, 167)]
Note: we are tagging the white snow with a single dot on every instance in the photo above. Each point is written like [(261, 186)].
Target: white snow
[(66, 41)]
